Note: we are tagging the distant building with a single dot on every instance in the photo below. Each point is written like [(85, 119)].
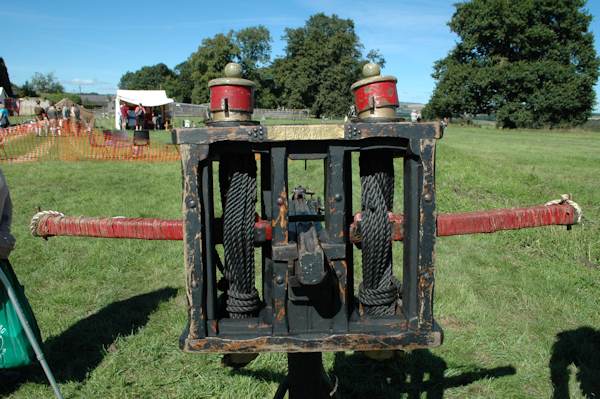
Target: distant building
[(27, 105), (96, 100)]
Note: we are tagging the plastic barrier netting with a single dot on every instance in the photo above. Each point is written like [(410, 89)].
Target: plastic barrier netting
[(74, 142)]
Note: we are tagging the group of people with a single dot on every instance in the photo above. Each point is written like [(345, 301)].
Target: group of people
[(57, 120), (140, 117)]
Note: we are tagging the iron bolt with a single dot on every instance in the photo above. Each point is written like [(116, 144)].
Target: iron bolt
[(279, 201), (338, 197), (339, 273), (428, 196), (279, 280), (190, 203)]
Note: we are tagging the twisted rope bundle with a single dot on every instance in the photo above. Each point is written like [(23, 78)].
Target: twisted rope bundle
[(35, 221), (377, 292), (238, 191)]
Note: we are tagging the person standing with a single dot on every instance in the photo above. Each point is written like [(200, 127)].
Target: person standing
[(413, 116), (52, 118), (159, 121), (59, 118), (140, 114), (75, 118), (66, 115), (154, 120), (124, 110), (40, 117), (4, 122)]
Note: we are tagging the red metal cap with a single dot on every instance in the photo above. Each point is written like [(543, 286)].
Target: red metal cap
[(375, 96), (231, 97)]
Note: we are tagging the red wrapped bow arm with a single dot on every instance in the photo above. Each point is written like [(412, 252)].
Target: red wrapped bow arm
[(561, 212), (50, 223)]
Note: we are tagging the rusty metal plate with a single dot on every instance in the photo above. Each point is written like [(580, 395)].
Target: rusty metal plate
[(305, 132)]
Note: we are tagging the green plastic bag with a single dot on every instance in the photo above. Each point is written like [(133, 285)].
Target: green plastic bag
[(15, 349)]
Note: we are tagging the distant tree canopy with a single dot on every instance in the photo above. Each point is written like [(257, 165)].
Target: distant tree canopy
[(46, 83), (532, 63), (249, 46), (188, 82), (25, 90), (322, 59), (56, 97), (147, 78)]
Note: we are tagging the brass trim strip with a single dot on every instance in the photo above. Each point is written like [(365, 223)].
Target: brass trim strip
[(305, 132)]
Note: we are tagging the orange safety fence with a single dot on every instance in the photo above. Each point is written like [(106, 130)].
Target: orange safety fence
[(75, 142)]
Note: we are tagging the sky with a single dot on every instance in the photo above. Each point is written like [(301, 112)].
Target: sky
[(89, 45)]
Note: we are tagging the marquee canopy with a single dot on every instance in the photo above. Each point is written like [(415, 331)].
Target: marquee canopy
[(148, 98)]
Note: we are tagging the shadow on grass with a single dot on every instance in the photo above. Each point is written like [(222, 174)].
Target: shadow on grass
[(412, 374), (79, 349), (581, 348), (407, 375)]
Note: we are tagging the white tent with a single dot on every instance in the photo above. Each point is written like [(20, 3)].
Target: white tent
[(2, 94), (148, 98)]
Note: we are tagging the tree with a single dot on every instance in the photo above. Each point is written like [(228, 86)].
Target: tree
[(26, 90), (254, 54), (376, 57), (322, 59), (188, 82), (147, 78), (250, 47), (254, 47), (532, 63), (46, 83), (56, 97), (180, 86), (208, 62)]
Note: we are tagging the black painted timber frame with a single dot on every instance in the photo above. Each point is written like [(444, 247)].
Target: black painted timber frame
[(286, 323)]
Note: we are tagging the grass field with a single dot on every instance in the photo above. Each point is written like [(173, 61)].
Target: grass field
[(515, 306)]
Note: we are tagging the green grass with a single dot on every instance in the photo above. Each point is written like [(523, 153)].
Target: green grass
[(20, 146), (111, 311)]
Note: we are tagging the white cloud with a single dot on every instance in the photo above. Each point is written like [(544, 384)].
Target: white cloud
[(81, 82)]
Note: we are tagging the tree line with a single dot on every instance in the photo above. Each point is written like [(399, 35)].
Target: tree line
[(530, 63), (44, 85), (321, 60)]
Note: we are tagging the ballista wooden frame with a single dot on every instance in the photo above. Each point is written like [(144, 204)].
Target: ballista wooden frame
[(328, 318)]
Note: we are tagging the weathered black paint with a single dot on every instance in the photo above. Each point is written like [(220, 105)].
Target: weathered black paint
[(208, 216), (316, 311)]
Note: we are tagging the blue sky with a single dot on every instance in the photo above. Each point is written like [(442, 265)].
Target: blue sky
[(90, 44)]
